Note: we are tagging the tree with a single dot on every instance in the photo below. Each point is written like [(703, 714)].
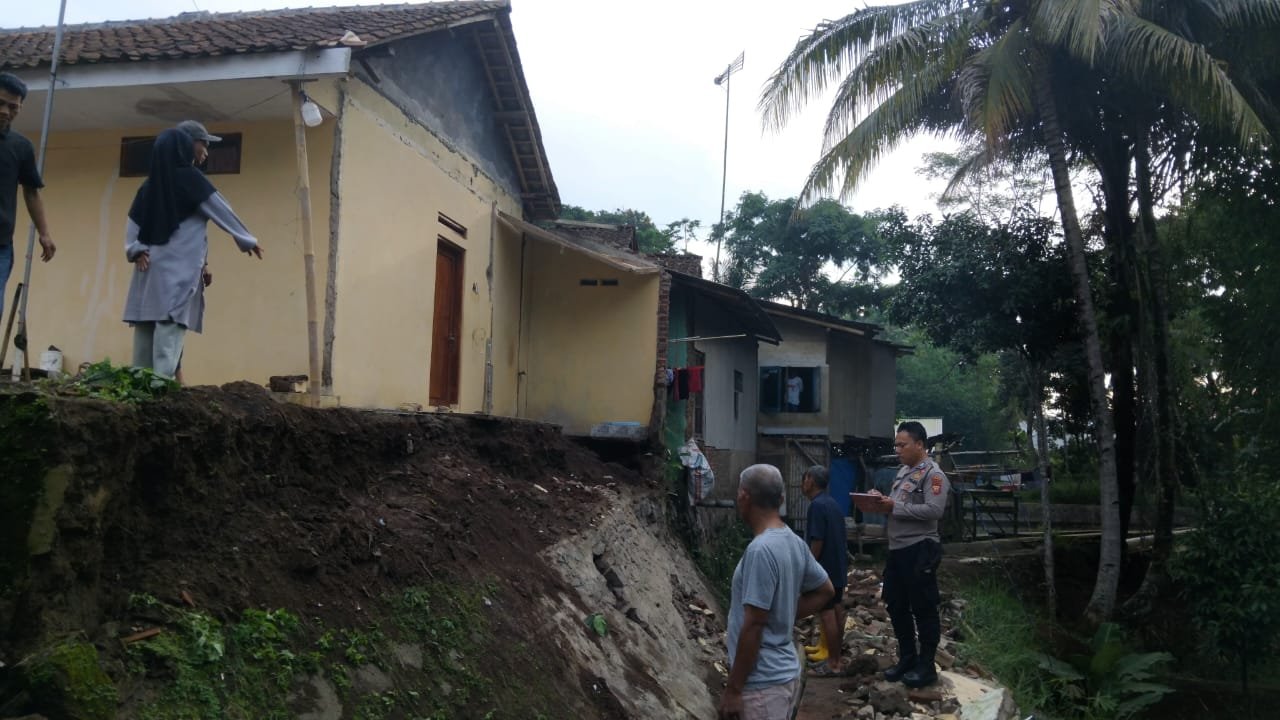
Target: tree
[(938, 382), (997, 71), (649, 238), (776, 252)]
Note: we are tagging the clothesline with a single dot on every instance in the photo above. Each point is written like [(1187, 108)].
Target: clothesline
[(699, 338)]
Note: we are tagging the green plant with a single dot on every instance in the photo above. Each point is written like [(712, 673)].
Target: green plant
[(362, 646), (121, 384), (1229, 573), (718, 558), (68, 678), (1000, 634), (213, 671), (1111, 682)]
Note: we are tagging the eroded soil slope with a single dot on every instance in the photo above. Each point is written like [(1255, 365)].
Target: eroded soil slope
[(289, 562)]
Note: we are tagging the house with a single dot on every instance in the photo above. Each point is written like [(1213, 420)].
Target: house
[(719, 329), (424, 174), (826, 389)]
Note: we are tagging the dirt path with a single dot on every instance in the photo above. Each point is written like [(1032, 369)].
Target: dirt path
[(870, 647)]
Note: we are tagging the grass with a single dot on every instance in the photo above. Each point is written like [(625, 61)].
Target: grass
[(242, 670), (1000, 635)]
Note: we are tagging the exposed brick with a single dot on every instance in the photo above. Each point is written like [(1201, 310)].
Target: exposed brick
[(686, 263)]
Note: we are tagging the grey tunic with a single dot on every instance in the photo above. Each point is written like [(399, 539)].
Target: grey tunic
[(919, 502), (172, 288)]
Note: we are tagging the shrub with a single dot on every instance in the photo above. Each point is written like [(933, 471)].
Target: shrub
[(1228, 570)]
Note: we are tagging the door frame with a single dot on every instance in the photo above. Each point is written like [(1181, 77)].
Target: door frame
[(452, 392)]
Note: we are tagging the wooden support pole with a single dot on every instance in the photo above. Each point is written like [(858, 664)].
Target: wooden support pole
[(308, 247)]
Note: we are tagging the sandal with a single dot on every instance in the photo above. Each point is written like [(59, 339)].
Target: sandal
[(824, 670)]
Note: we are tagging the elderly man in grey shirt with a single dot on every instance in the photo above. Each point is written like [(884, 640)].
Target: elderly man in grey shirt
[(777, 582), (167, 241)]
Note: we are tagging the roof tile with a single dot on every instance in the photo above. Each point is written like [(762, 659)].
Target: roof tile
[(208, 34)]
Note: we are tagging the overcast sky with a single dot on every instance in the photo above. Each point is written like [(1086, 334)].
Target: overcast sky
[(625, 98)]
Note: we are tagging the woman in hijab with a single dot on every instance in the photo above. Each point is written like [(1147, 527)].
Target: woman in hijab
[(167, 242)]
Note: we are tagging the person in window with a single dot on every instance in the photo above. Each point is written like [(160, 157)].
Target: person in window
[(795, 386), (167, 241)]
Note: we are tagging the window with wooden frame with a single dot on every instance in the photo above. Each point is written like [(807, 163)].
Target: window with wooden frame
[(224, 157)]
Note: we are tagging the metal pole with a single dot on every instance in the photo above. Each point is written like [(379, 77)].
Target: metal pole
[(724, 174), (21, 339), (308, 247)]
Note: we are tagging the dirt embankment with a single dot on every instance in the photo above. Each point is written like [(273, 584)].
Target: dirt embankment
[(284, 562)]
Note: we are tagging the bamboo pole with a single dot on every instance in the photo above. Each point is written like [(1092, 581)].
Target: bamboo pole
[(308, 246), (21, 340)]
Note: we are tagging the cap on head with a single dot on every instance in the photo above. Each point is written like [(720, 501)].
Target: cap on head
[(198, 131)]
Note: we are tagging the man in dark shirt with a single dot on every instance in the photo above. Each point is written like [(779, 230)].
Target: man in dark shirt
[(17, 167), (828, 541)]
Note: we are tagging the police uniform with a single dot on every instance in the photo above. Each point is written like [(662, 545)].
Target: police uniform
[(910, 576)]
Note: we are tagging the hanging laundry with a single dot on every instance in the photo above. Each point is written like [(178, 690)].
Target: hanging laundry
[(682, 383), (695, 378)]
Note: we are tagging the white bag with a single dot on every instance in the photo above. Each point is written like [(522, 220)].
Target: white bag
[(701, 478)]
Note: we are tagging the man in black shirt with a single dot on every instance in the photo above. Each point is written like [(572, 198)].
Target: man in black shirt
[(17, 167), (829, 543)]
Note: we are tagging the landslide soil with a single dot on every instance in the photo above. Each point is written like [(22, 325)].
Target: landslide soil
[(239, 501)]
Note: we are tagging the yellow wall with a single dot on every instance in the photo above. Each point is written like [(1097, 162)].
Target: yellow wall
[(588, 353), (255, 318), (396, 177)]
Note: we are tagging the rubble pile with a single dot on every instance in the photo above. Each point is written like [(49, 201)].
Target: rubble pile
[(861, 692)]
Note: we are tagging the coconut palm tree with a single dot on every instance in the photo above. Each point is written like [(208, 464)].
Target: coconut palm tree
[(998, 69)]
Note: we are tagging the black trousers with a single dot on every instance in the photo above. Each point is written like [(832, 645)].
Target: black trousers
[(911, 596)]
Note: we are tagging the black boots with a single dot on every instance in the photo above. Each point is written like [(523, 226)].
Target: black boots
[(923, 674), (906, 664)]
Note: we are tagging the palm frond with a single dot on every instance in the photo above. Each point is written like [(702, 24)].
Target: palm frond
[(978, 162), (941, 44), (1077, 26), (913, 108), (995, 86), (1150, 56), (823, 57), (1239, 14)]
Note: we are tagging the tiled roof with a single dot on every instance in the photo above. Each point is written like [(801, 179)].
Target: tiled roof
[(203, 34), (619, 236)]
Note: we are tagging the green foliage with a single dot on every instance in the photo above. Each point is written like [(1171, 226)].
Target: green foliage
[(68, 679), (979, 288), (121, 384), (241, 671), (719, 558), (937, 382), (597, 623), (1000, 635), (778, 253), (450, 623), (649, 238), (1111, 682), (1228, 571)]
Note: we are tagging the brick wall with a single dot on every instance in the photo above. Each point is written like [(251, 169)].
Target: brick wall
[(660, 369), (686, 263)]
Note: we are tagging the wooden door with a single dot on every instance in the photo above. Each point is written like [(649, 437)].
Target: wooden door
[(446, 327)]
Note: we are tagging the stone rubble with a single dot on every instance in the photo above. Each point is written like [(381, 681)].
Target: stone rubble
[(961, 693)]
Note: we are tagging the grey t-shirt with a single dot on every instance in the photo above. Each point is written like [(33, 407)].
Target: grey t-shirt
[(775, 569)]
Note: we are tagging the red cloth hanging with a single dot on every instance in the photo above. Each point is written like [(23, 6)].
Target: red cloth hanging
[(695, 378)]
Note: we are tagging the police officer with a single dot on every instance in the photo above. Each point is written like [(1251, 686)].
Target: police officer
[(914, 506)]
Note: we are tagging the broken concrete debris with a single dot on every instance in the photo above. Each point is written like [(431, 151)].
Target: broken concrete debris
[(870, 647)]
